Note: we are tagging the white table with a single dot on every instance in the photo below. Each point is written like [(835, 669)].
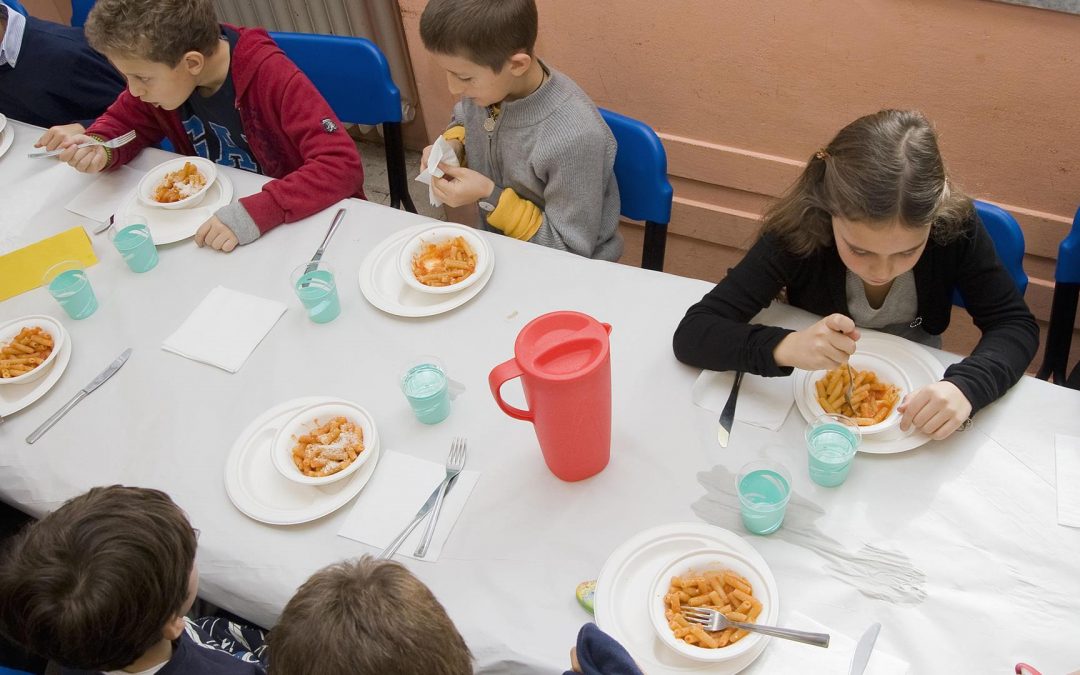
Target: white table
[(975, 514)]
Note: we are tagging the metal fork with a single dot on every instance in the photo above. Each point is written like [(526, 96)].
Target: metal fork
[(715, 621), (112, 144), (455, 462)]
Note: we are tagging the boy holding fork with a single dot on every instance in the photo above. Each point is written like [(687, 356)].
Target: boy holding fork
[(221, 92)]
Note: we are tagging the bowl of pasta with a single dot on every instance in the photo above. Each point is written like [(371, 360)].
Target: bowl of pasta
[(324, 443), (27, 347), (178, 183), (879, 388), (719, 579), (443, 259)]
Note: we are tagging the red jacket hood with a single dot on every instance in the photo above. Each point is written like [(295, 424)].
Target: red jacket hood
[(252, 48)]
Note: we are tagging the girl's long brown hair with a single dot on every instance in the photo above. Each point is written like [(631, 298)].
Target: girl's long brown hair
[(880, 169)]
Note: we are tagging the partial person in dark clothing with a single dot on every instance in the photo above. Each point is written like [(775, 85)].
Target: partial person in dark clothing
[(872, 235), (49, 75), (11, 655)]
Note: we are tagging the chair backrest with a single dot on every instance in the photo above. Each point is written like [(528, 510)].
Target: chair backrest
[(1008, 240), (350, 72), (1068, 262), (640, 169), (15, 6), (79, 10)]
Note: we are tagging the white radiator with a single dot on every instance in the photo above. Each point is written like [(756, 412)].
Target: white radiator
[(376, 20)]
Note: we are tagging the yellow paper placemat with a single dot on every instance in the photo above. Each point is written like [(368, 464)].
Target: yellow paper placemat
[(22, 270)]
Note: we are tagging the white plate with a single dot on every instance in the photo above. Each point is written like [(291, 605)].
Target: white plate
[(15, 397), (7, 137), (626, 582), (168, 226), (261, 493), (382, 285), (917, 364), (3, 121)]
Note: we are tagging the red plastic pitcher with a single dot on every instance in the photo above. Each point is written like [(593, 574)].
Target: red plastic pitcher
[(564, 362)]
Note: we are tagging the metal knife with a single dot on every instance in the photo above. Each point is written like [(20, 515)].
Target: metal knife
[(83, 393), (420, 515), (864, 649), (727, 415), (338, 217)]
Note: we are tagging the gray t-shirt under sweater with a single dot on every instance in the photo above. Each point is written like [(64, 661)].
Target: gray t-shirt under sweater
[(554, 149), (897, 315)]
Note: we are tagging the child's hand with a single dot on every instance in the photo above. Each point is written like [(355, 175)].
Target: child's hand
[(216, 235), (823, 346), (52, 138), (937, 410), (86, 160), (460, 186), (574, 665), (424, 156), (457, 146)]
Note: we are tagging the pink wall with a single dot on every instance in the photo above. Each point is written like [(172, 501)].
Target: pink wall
[(743, 92)]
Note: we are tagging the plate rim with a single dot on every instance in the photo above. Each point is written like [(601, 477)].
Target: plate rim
[(352, 486), (383, 303), (49, 380), (123, 212), (7, 139)]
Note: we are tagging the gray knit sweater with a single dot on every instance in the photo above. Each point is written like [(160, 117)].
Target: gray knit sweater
[(553, 149)]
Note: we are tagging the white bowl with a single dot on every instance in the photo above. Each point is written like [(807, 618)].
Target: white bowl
[(886, 371), (50, 326), (704, 560), (154, 176), (303, 421), (437, 235)]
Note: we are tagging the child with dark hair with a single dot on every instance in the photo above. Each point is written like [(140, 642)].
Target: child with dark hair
[(873, 234)]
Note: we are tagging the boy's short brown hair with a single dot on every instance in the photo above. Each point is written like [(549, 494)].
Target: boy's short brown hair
[(487, 32), (366, 617), (93, 584), (156, 30)]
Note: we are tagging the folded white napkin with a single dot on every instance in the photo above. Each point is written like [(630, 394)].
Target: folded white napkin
[(785, 656), (1068, 479), (763, 401), (441, 152), (101, 198), (398, 489), (225, 328)]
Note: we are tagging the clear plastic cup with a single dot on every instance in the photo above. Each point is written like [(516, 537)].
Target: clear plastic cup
[(764, 488), (68, 283), (136, 246), (831, 441), (427, 388), (314, 285)]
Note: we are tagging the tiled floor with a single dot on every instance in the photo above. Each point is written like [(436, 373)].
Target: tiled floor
[(376, 185)]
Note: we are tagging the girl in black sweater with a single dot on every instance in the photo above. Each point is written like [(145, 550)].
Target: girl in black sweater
[(872, 234)]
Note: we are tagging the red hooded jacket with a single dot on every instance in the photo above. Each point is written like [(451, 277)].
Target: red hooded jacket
[(289, 126)]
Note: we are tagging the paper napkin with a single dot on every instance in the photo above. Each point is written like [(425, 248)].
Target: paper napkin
[(400, 486), (23, 269), (103, 196), (785, 656), (1068, 479), (763, 401), (441, 152), (225, 328)]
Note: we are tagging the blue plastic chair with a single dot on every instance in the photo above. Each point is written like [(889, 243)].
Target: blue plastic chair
[(21, 10), (1008, 242), (1063, 308), (79, 10), (3, 670), (641, 171), (354, 77)]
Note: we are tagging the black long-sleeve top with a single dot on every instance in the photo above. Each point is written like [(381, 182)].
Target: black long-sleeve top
[(716, 333)]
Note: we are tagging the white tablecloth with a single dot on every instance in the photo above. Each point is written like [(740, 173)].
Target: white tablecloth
[(953, 548)]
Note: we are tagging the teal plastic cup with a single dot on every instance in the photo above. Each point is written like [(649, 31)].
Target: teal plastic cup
[(764, 490), (317, 291), (136, 247), (427, 388), (68, 283), (831, 441)]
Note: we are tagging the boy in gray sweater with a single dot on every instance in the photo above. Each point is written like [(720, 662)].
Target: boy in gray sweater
[(536, 155)]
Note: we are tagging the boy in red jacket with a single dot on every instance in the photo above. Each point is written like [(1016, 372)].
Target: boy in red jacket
[(221, 92)]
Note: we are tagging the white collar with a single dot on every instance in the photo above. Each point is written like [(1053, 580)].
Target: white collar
[(13, 37)]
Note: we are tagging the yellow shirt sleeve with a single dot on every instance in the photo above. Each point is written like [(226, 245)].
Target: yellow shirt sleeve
[(455, 133), (516, 217)]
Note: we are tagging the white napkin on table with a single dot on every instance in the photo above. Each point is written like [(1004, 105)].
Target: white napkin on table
[(101, 198), (398, 489), (785, 656), (1068, 479), (441, 152), (763, 401), (225, 328)]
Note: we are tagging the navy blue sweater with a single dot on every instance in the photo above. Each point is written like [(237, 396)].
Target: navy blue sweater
[(58, 78)]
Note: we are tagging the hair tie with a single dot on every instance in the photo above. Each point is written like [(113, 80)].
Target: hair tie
[(822, 154)]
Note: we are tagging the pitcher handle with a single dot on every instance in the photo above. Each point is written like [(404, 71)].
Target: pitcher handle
[(500, 375)]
